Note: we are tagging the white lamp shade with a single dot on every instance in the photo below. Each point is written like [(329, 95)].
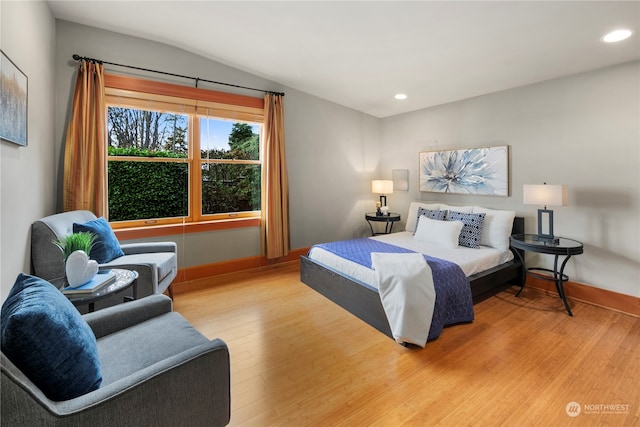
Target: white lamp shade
[(380, 186), (544, 195)]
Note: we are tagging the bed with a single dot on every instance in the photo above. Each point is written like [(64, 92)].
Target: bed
[(349, 286)]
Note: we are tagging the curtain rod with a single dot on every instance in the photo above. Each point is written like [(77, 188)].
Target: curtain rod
[(77, 57)]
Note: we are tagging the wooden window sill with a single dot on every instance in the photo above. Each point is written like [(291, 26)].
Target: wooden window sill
[(196, 227)]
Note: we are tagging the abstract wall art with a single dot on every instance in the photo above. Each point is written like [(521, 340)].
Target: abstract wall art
[(477, 171), (13, 98)]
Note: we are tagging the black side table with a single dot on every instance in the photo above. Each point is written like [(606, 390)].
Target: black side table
[(566, 247), (388, 219), (124, 279)]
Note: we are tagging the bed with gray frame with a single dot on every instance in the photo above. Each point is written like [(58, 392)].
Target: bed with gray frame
[(365, 303)]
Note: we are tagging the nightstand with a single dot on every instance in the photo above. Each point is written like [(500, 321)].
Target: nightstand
[(566, 247), (388, 219)]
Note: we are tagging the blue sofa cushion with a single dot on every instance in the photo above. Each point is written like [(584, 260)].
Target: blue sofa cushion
[(45, 336), (107, 246)]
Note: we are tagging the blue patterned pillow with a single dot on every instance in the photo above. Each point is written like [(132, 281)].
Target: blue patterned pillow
[(431, 214), (472, 229), (45, 336), (107, 246)]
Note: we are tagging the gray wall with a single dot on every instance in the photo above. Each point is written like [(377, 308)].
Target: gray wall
[(26, 173), (582, 131)]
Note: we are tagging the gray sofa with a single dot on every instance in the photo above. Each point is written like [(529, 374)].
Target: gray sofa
[(156, 263), (157, 370)]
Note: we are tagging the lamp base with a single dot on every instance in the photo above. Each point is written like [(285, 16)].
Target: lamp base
[(550, 240), (546, 235)]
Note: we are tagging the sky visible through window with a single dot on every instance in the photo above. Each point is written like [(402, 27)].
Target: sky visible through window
[(214, 133)]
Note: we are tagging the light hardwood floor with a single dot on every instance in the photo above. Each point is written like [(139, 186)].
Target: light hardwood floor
[(298, 359)]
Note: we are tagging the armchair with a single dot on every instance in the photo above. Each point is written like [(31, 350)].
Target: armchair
[(156, 370), (156, 263)]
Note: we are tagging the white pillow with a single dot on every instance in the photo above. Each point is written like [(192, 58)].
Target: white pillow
[(442, 233), (412, 216), (497, 227)]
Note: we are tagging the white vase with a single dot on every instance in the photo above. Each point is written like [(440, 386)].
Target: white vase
[(80, 269)]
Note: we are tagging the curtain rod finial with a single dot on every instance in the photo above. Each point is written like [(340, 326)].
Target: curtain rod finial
[(76, 57)]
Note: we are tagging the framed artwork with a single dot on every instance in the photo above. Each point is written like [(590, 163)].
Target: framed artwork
[(478, 171), (13, 98), (400, 178)]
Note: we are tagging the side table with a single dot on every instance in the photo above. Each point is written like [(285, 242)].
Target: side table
[(564, 246), (388, 219), (124, 279)]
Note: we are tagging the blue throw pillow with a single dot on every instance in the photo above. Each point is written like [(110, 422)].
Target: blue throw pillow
[(471, 230), (432, 214), (107, 246), (45, 336)]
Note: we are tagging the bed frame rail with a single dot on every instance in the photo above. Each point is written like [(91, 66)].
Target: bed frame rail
[(357, 299)]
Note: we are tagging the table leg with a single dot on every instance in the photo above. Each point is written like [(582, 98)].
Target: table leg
[(560, 281), (371, 227), (134, 290), (524, 272)]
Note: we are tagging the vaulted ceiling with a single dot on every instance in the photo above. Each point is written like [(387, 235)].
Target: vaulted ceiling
[(361, 53)]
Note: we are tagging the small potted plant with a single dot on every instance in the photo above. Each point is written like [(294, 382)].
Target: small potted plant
[(76, 247), (82, 241)]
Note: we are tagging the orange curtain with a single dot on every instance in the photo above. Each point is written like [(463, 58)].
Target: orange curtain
[(275, 184), (85, 157)]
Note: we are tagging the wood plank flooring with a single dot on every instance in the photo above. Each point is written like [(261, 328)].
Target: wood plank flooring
[(298, 359)]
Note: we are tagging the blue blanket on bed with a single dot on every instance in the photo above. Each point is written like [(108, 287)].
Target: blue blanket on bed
[(453, 292)]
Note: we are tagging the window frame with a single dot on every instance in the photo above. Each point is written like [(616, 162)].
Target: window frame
[(196, 103)]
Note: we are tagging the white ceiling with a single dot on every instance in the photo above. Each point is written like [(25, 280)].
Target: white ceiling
[(359, 54)]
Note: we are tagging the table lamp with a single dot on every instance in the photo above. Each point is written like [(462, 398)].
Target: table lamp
[(381, 187), (545, 195)]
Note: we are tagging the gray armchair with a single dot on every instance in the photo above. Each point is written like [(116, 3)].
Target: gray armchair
[(157, 370), (156, 263)]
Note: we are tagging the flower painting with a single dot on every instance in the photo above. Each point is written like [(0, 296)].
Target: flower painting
[(480, 171)]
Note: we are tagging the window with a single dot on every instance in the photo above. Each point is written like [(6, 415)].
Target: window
[(176, 159), (230, 166)]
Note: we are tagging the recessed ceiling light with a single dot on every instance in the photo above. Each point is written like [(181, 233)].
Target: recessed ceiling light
[(400, 96), (616, 36)]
